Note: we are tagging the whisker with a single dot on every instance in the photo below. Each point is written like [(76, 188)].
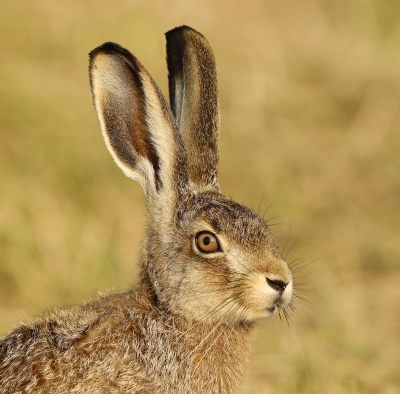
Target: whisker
[(259, 205), (287, 254), (241, 263), (203, 340), (307, 284), (286, 317), (215, 310), (308, 369), (294, 263), (273, 217), (305, 265), (301, 306), (283, 331), (275, 224), (287, 239), (269, 206), (299, 315), (297, 289), (302, 298), (209, 348)]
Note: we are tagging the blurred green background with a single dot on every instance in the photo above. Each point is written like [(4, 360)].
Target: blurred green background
[(310, 105)]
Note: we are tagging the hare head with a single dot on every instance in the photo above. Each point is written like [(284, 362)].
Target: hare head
[(204, 256)]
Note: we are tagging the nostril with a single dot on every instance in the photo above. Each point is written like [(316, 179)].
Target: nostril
[(277, 285)]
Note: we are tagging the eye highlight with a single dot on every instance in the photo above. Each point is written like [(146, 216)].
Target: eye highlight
[(207, 242)]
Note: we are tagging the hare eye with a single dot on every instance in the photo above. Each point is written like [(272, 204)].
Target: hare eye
[(207, 242)]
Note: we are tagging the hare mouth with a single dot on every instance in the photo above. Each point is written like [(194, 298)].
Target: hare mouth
[(271, 309)]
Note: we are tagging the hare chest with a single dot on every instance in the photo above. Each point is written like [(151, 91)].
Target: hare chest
[(167, 355), (122, 350)]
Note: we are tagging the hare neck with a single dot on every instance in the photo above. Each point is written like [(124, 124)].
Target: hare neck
[(198, 357), (213, 357)]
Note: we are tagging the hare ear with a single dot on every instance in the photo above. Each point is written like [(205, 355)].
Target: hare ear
[(193, 94), (137, 124)]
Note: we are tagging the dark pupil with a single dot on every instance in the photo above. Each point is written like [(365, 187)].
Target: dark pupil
[(206, 240)]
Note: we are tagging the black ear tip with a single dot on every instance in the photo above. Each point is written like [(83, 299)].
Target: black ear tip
[(182, 30), (108, 48)]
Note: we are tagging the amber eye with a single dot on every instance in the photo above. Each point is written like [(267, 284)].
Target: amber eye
[(207, 242)]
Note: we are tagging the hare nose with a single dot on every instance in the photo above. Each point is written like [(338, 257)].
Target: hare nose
[(277, 285)]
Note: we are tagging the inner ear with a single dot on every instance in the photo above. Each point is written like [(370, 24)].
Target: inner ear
[(119, 94), (138, 127)]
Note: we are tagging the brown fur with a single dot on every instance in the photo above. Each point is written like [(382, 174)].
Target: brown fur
[(193, 86), (185, 328), (116, 344)]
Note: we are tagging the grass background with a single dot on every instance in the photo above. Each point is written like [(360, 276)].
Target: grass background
[(310, 104)]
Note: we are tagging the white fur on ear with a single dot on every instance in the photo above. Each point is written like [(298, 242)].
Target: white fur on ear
[(137, 124)]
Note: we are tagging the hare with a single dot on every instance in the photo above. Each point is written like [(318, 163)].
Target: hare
[(209, 266)]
